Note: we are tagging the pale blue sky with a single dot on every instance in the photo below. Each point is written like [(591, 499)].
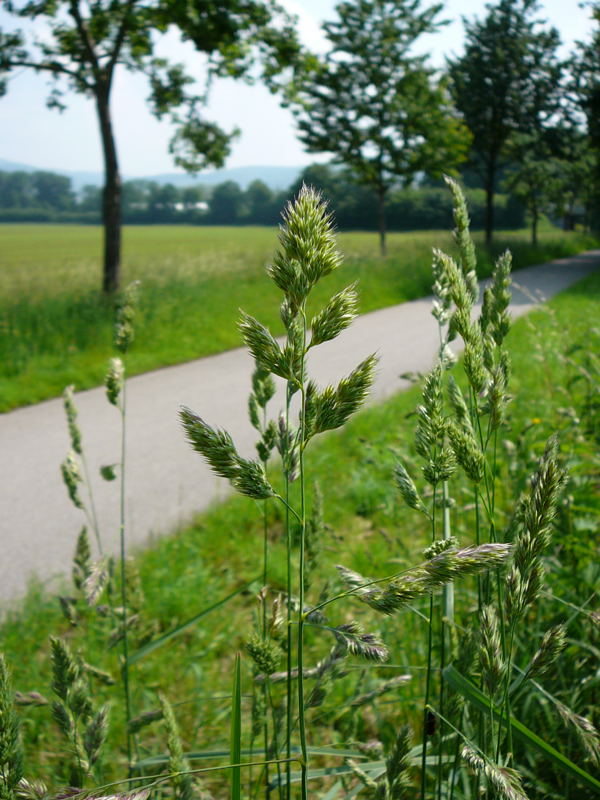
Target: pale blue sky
[(32, 134)]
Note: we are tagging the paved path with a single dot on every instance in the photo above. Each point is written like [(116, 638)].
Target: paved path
[(166, 482)]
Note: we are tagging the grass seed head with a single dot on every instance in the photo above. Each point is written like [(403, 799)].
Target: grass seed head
[(11, 753), (71, 414), (307, 242), (251, 480), (263, 386), (422, 580), (553, 643), (430, 414), (441, 467), (408, 490), (458, 403), (439, 546), (114, 380), (332, 407), (216, 446), (462, 237), (72, 477), (441, 289), (585, 731), (82, 561), (95, 582), (95, 735), (125, 316), (178, 764), (263, 347), (32, 790), (490, 651), (65, 670), (467, 451), (498, 319), (367, 646), (397, 767), (266, 654), (335, 317), (505, 781)]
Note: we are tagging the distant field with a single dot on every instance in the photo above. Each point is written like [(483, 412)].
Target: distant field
[(55, 328)]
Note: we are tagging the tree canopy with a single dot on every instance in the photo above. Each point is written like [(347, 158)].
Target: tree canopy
[(507, 82), (586, 84), (374, 105)]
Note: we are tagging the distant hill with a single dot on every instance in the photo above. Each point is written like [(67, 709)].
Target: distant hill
[(274, 177)]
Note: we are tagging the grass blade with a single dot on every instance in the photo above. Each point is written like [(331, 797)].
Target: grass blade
[(156, 643), (520, 731), (203, 755), (235, 753)]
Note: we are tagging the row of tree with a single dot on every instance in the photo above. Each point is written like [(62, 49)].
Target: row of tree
[(377, 108), (509, 104), (47, 197)]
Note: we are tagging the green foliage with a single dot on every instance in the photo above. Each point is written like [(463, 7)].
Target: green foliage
[(508, 80), (372, 104), (11, 753), (585, 66)]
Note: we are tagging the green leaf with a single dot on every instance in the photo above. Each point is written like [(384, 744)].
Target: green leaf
[(202, 755), (235, 754), (156, 643), (373, 768), (520, 731)]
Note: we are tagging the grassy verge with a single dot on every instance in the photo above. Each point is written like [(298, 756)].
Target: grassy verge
[(370, 531), (55, 328)]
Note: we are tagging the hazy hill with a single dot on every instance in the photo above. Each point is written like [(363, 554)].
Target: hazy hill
[(275, 177)]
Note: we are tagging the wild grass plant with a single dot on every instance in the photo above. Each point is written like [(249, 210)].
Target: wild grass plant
[(294, 696), (56, 329)]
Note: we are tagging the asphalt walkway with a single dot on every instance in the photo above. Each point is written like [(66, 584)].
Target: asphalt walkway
[(166, 482)]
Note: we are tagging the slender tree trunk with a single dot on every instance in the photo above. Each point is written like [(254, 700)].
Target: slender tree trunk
[(534, 226), (381, 222), (111, 197), (490, 186)]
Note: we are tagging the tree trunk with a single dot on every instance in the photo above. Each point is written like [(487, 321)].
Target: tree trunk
[(381, 222), (111, 198), (490, 185), (534, 227)]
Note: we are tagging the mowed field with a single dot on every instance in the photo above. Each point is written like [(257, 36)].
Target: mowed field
[(56, 328)]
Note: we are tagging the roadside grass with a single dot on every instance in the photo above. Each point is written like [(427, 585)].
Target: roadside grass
[(56, 328), (369, 530)]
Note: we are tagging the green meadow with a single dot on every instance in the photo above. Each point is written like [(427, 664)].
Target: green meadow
[(56, 328)]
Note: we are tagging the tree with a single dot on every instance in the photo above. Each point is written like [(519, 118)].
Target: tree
[(90, 199), (533, 175), (16, 190), (258, 200), (226, 203), (373, 105), (506, 82), (52, 191), (586, 85), (192, 197), (84, 44)]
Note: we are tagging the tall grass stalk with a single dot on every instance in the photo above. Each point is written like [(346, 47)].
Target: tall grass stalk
[(123, 337)]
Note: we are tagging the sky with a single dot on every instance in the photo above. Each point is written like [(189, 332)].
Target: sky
[(32, 134)]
